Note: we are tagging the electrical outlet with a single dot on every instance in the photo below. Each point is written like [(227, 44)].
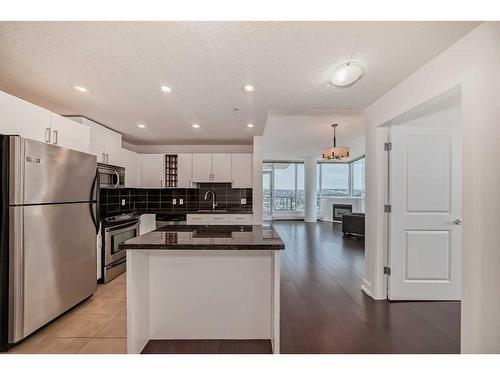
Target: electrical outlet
[(174, 201), (123, 202), (181, 201), (243, 201)]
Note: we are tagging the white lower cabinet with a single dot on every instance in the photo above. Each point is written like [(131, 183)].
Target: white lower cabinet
[(240, 219), (219, 219)]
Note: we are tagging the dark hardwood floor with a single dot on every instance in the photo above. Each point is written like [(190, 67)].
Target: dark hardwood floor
[(323, 309)]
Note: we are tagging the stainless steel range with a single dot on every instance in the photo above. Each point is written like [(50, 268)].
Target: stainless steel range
[(117, 229)]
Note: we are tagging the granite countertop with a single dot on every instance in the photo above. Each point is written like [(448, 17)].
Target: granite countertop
[(207, 237)]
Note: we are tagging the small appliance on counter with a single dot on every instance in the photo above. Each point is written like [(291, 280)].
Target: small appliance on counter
[(48, 223), (115, 230)]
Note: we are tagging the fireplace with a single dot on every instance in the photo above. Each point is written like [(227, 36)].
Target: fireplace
[(339, 210)]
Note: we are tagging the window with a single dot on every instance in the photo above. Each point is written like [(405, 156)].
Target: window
[(283, 183), (358, 178), (284, 187), (334, 180)]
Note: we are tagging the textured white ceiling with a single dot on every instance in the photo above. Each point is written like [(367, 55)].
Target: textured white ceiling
[(206, 63), (297, 136)]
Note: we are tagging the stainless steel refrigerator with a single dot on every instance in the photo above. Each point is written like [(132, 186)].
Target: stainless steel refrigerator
[(48, 234)]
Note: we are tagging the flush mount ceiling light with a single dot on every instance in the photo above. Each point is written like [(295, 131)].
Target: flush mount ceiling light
[(142, 126), (196, 126), (248, 88), (81, 89), (166, 89), (346, 74), (250, 126), (335, 152)]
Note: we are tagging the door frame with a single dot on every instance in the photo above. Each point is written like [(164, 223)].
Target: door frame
[(385, 136)]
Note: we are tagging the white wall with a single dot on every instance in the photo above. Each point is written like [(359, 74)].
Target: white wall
[(258, 155), (473, 64)]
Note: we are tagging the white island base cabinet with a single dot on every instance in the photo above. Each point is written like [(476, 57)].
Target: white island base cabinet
[(202, 294)]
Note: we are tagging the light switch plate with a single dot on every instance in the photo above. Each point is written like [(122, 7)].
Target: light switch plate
[(123, 202), (243, 201), (174, 201), (181, 201)]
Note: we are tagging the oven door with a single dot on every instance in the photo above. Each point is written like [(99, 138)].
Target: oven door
[(116, 235)]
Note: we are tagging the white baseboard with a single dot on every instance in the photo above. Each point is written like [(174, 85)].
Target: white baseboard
[(367, 287)]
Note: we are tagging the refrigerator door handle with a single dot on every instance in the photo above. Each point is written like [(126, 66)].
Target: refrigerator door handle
[(94, 190)]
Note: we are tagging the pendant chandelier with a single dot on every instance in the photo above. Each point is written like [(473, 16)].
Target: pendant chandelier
[(335, 152)]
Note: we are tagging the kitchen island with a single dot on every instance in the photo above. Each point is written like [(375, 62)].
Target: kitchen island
[(203, 282)]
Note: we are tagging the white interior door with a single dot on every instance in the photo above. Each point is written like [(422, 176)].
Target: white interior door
[(425, 240)]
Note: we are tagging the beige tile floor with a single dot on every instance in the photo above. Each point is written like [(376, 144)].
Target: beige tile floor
[(96, 326)]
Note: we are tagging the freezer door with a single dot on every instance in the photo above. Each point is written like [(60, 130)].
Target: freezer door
[(59, 261), (56, 174)]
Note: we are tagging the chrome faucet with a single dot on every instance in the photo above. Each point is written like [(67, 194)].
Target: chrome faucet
[(214, 203)]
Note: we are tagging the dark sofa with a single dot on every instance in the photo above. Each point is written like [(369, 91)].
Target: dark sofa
[(353, 223)]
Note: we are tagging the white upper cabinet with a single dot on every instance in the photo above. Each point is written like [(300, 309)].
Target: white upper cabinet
[(212, 167), (221, 167), (105, 143), (202, 167), (185, 170), (18, 117), (130, 161), (27, 120), (68, 133), (152, 170), (241, 170)]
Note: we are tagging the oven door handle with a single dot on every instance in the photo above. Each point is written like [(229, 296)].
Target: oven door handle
[(116, 263), (123, 226)]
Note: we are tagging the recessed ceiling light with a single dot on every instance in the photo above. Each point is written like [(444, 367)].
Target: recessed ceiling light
[(81, 89), (346, 74), (196, 126), (250, 126), (142, 126), (248, 88), (166, 89)]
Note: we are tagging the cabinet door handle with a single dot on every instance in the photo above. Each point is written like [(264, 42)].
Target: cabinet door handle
[(55, 137), (47, 135), (103, 158), (107, 158)]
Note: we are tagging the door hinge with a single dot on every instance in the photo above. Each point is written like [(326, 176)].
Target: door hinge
[(387, 146), (387, 271), (387, 208)]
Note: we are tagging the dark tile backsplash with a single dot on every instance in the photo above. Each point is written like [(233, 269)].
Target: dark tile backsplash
[(156, 200)]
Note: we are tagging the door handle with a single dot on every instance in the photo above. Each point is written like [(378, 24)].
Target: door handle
[(55, 137), (107, 158), (117, 179), (103, 157), (458, 222), (47, 135)]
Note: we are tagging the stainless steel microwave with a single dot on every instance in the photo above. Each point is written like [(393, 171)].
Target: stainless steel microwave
[(111, 176)]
